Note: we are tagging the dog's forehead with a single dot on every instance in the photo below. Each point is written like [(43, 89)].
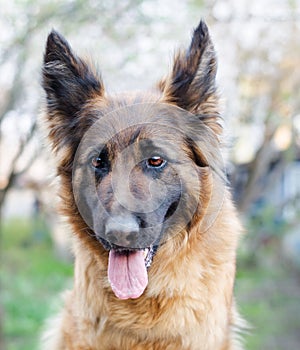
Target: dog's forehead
[(144, 139), (146, 125)]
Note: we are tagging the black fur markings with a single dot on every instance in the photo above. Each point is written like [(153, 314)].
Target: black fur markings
[(193, 74), (69, 83)]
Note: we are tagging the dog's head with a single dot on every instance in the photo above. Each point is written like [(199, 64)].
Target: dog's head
[(136, 169)]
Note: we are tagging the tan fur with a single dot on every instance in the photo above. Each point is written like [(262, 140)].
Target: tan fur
[(187, 305)]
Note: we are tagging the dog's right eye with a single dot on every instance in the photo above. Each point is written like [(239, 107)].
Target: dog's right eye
[(100, 162)]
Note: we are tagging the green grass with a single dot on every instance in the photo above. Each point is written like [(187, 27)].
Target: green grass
[(31, 279), (269, 298)]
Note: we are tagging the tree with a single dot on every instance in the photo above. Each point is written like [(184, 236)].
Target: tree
[(263, 98)]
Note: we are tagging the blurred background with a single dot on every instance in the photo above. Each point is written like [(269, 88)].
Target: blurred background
[(133, 42)]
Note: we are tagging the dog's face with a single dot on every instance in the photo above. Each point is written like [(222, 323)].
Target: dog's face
[(137, 168), (136, 180)]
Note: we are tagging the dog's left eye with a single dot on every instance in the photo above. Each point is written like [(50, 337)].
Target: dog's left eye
[(156, 162)]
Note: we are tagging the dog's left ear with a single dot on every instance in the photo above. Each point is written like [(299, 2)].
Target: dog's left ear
[(191, 84)]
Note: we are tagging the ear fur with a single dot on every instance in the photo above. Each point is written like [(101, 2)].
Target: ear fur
[(191, 84), (69, 83)]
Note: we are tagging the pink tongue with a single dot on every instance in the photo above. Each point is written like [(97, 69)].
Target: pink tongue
[(127, 274)]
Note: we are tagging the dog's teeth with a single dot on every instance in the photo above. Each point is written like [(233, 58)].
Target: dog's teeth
[(145, 252)]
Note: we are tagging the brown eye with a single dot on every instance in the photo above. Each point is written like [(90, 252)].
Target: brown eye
[(97, 162), (101, 161), (156, 162)]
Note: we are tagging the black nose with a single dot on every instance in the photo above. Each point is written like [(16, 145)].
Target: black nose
[(122, 231)]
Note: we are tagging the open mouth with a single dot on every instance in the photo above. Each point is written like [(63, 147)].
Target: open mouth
[(127, 271)]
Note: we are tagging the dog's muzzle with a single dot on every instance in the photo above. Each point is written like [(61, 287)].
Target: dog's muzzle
[(122, 231), (128, 261)]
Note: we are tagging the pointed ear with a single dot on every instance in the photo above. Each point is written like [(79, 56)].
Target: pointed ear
[(191, 83), (69, 83)]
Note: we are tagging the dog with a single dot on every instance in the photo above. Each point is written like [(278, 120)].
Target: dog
[(144, 189)]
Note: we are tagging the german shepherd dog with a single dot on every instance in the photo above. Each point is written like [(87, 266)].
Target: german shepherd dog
[(143, 186)]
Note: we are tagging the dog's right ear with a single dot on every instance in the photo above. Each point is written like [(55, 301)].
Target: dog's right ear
[(69, 83)]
